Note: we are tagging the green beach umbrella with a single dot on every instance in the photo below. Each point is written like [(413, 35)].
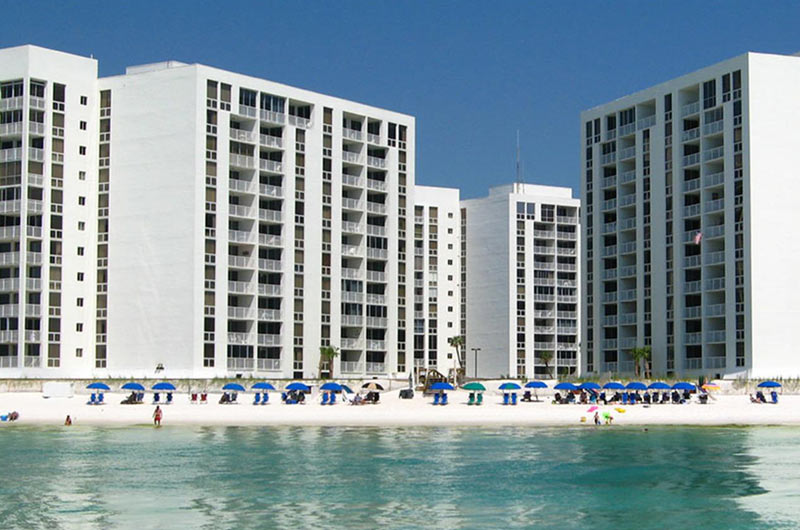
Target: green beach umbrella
[(474, 386)]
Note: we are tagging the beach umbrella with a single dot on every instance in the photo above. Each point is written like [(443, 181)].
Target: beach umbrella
[(98, 386), (535, 384), (347, 389), (236, 387), (565, 386), (298, 386), (474, 386), (613, 385), (635, 385), (163, 386), (658, 385), (710, 386), (684, 386), (133, 386), (372, 386), (263, 385), (769, 384), (589, 385), (510, 386), (442, 385), (331, 386)]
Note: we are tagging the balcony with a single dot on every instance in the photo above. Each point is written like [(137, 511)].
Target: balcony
[(712, 154), (691, 134), (239, 363), (691, 210), (353, 297), (378, 185), (610, 204), (375, 161), (376, 299), (715, 336), (627, 224), (352, 180), (270, 315), (9, 310), (270, 191), (646, 122), (267, 140), (352, 204), (275, 216), (297, 121), (270, 165), (240, 287), (715, 362), (546, 234), (11, 155), (693, 338), (242, 161), (241, 262), (627, 248), (270, 116), (269, 289), (352, 134), (628, 176), (714, 284), (240, 236), (567, 219), (350, 367), (568, 267), (713, 206), (269, 265), (715, 310), (609, 158), (351, 344), (352, 157), (11, 129), (692, 312), (627, 200), (376, 345), (695, 363), (609, 274), (12, 103), (376, 276), (714, 257), (690, 109), (265, 339), (244, 186), (10, 206), (270, 240), (628, 152), (10, 232), (237, 210), (352, 250), (353, 228), (544, 250), (268, 365), (376, 230), (377, 322), (377, 253), (714, 127), (238, 338), (715, 179), (691, 160), (376, 368), (572, 236), (242, 136), (350, 273), (9, 284), (376, 207), (240, 313), (352, 320)]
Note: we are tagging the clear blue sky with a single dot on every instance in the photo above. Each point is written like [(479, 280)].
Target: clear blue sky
[(472, 73)]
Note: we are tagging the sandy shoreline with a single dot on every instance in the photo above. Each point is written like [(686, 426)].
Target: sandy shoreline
[(392, 411)]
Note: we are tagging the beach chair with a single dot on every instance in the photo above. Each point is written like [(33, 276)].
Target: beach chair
[(774, 396), (480, 398), (193, 398), (204, 398), (233, 397), (100, 397), (156, 397), (169, 398), (265, 399), (624, 398), (324, 398), (92, 399), (436, 398), (140, 397), (505, 398), (514, 398), (257, 399), (444, 399), (333, 399), (471, 398), (526, 396)]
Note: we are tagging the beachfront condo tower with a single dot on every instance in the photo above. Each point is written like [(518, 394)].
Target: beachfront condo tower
[(521, 271), (689, 192), (185, 221)]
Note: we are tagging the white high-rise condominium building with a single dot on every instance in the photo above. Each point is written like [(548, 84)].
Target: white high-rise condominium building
[(437, 265), (49, 267), (690, 194), (187, 221), (522, 282)]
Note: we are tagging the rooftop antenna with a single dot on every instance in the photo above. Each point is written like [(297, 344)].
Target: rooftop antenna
[(519, 180)]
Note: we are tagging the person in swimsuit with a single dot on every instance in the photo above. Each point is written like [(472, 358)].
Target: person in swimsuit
[(157, 416), (68, 421)]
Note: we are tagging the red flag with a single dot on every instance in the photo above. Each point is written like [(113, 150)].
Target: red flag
[(698, 237)]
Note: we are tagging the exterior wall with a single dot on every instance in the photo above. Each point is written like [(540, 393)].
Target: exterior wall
[(437, 295), (522, 281), (54, 209)]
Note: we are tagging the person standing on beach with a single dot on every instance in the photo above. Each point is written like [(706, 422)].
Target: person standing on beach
[(597, 418), (157, 416), (68, 421)]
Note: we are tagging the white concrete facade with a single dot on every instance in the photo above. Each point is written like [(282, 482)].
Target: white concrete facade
[(48, 202), (689, 207), (437, 264), (522, 289)]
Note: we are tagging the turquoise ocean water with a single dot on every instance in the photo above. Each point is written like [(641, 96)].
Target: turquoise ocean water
[(250, 477)]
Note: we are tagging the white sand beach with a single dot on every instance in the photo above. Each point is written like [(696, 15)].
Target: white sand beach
[(732, 409)]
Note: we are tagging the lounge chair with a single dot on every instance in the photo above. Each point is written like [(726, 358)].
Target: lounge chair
[(324, 398), (193, 398), (602, 397), (169, 398), (265, 398), (480, 398), (233, 397), (505, 398), (471, 398), (92, 399), (333, 399), (444, 399), (156, 397), (100, 398), (436, 397), (257, 399), (140, 397), (774, 396), (513, 398), (624, 398), (204, 398)]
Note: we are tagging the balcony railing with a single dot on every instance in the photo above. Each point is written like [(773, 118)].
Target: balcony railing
[(270, 191), (690, 108), (240, 363), (238, 338), (265, 339), (350, 156), (376, 161), (352, 320), (350, 367), (270, 116), (268, 140), (270, 315), (268, 365), (270, 165), (376, 368), (269, 265)]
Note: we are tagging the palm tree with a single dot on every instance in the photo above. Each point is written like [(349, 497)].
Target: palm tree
[(641, 354), (546, 357), (327, 353), (457, 342)]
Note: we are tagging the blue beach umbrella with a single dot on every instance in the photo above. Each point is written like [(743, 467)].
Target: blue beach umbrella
[(442, 385), (535, 384), (98, 386), (298, 386), (589, 385), (132, 386), (263, 385), (334, 387), (236, 387), (163, 386), (769, 384), (347, 389), (613, 385), (565, 386), (658, 385), (510, 386), (683, 386), (636, 385)]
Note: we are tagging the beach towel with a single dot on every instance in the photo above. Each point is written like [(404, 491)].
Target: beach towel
[(592, 409), (620, 410)]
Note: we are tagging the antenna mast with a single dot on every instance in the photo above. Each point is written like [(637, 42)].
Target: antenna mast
[(518, 168)]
